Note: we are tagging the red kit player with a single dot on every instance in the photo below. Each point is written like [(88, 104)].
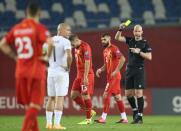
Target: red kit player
[(28, 37), (113, 62)]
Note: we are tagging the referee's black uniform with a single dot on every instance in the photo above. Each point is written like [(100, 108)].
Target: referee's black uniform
[(135, 78)]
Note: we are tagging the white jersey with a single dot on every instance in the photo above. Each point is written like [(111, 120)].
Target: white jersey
[(58, 57)]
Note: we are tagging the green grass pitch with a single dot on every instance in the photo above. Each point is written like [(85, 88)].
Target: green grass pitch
[(151, 123)]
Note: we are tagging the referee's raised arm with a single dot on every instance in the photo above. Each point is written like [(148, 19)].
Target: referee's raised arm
[(118, 35)]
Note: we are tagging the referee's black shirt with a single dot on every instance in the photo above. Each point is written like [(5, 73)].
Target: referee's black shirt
[(135, 60)]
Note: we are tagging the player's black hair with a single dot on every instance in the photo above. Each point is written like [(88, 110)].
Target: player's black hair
[(105, 34), (73, 37), (33, 8)]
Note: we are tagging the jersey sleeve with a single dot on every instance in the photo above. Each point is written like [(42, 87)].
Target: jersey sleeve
[(147, 48), (87, 53), (117, 53), (10, 37), (67, 45), (43, 34)]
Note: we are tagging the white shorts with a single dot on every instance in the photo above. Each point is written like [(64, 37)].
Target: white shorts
[(58, 85)]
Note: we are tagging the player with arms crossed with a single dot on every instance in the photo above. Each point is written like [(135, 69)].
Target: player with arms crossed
[(58, 75), (83, 84), (113, 62), (28, 37), (139, 50)]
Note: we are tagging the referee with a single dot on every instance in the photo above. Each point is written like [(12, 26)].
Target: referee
[(138, 51)]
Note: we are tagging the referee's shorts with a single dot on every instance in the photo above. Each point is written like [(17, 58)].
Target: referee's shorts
[(134, 78)]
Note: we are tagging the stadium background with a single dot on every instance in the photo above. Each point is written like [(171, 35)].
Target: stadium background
[(161, 20)]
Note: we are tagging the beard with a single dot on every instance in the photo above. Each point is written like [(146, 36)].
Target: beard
[(105, 45), (138, 36), (77, 46)]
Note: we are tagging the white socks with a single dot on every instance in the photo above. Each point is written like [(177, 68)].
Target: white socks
[(57, 117), (49, 116), (123, 116), (104, 115)]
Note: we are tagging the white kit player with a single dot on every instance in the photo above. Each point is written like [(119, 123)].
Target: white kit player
[(58, 76)]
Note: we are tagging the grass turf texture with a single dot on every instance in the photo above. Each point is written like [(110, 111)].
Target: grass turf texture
[(151, 123)]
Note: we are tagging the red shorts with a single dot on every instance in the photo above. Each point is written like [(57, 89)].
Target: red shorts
[(113, 87), (78, 86), (30, 90)]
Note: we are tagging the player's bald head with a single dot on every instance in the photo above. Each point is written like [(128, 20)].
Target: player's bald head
[(62, 26), (138, 27), (64, 30)]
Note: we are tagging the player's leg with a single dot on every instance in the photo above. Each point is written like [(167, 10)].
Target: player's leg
[(121, 108), (106, 98), (115, 90), (86, 92), (36, 97), (58, 111), (49, 111), (61, 89), (50, 103), (88, 108), (106, 101), (75, 93), (88, 105)]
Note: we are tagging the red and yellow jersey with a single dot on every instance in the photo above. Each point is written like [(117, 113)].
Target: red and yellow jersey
[(81, 54), (112, 56), (28, 37)]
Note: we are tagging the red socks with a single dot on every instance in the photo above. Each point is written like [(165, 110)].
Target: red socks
[(80, 102), (30, 122), (121, 106), (88, 104), (85, 105)]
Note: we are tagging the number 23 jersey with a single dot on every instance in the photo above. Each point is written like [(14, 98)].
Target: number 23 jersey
[(28, 37)]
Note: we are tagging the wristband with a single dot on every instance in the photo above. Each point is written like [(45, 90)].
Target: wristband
[(120, 29)]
